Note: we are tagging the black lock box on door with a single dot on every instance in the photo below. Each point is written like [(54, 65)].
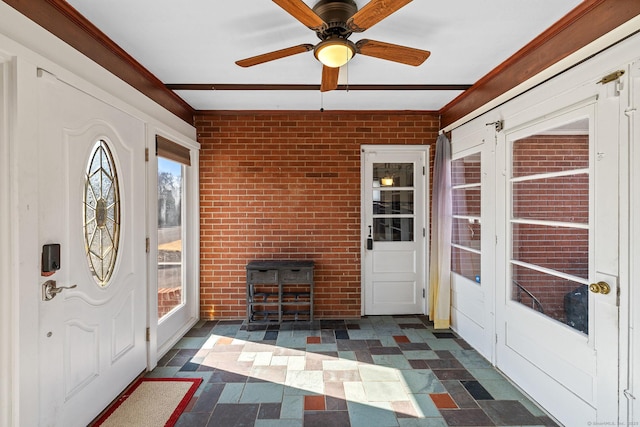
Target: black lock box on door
[(51, 258)]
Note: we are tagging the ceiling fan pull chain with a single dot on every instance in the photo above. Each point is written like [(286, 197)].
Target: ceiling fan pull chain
[(347, 77)]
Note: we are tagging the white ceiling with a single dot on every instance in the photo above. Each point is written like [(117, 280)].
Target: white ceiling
[(198, 41)]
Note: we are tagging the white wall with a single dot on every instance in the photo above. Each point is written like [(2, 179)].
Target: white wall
[(577, 83), (6, 315), (632, 382), (25, 47)]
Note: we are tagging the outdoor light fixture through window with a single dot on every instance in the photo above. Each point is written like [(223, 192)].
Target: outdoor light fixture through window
[(335, 51), (387, 181)]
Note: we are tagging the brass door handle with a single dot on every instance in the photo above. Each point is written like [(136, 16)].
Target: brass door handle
[(600, 288)]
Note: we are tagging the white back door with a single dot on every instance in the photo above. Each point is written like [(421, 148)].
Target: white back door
[(394, 231), (91, 336)]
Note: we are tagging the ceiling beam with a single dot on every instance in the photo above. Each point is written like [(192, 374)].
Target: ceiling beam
[(318, 113), (214, 86), (587, 22), (63, 21)]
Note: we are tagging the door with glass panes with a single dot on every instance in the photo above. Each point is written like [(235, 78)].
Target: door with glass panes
[(394, 232), (557, 309), (93, 302)]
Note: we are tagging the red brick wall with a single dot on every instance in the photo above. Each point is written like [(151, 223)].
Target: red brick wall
[(287, 186), (466, 202), (168, 299), (564, 199)]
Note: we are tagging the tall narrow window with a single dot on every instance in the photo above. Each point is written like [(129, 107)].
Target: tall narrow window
[(172, 160), (466, 227), (101, 213)]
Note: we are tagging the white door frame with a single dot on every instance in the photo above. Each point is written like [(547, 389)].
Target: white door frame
[(424, 271), (630, 339), (25, 277), (6, 263)]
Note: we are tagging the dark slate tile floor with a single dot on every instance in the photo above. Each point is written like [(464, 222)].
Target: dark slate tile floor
[(371, 372)]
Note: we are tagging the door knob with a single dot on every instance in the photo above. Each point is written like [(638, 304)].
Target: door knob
[(600, 288), (50, 290)]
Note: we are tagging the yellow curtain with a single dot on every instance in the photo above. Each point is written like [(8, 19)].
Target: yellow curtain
[(440, 255)]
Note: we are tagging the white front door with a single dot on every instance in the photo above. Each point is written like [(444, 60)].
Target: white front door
[(557, 336), (394, 232), (91, 336)]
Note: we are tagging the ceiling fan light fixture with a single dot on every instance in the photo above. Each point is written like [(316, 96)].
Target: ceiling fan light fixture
[(335, 52)]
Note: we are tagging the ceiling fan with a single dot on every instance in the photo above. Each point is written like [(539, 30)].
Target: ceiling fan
[(334, 21)]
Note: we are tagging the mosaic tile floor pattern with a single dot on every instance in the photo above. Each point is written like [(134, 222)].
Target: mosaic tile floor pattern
[(372, 372)]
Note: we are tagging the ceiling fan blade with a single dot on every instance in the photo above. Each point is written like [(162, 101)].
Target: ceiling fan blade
[(329, 78), (276, 54), (303, 13), (374, 12), (392, 52)]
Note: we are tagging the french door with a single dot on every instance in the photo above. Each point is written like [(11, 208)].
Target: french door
[(557, 309)]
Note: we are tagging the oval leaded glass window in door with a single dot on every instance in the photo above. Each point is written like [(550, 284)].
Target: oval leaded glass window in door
[(101, 213)]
